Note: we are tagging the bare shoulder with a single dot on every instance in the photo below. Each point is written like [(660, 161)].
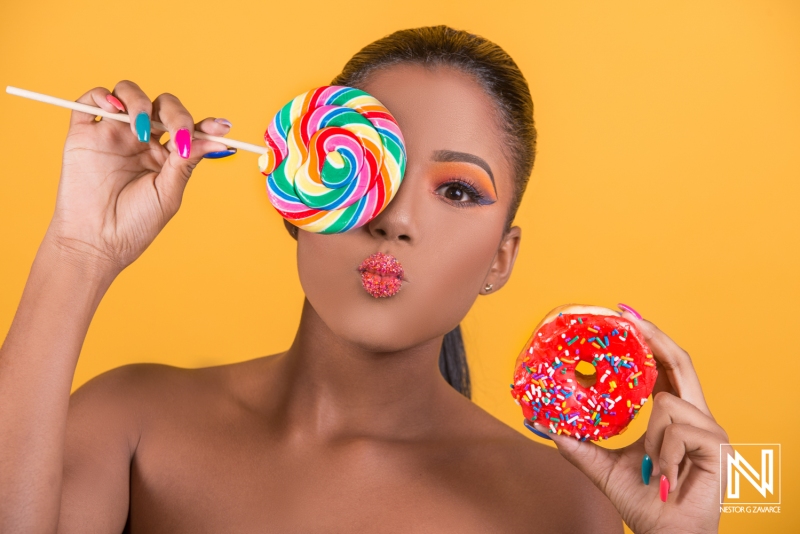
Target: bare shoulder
[(107, 413), (112, 399), (545, 489), (125, 390), (104, 426), (139, 391)]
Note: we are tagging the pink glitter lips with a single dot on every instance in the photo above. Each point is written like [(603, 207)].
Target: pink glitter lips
[(381, 275)]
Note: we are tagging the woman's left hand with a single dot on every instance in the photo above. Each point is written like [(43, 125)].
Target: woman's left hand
[(682, 440)]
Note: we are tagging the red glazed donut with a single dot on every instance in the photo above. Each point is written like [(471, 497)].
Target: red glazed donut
[(584, 405)]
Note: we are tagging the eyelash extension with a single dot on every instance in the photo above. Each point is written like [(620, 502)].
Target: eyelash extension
[(477, 197)]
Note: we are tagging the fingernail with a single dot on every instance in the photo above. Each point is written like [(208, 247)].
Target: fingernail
[(663, 488), (143, 127), (220, 154), (115, 102), (183, 140), (226, 122), (647, 469), (629, 309), (536, 431)]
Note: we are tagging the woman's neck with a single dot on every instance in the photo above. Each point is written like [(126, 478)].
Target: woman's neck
[(333, 387)]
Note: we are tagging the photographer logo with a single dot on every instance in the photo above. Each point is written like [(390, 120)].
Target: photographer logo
[(752, 475)]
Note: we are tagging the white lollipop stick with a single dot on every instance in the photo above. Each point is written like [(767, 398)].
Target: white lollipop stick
[(124, 117)]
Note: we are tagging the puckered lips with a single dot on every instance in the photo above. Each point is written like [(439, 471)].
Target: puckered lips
[(381, 275)]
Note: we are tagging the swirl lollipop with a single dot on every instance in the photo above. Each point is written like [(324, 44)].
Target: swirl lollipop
[(335, 159)]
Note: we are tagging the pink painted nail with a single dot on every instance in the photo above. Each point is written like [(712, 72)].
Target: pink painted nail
[(183, 140), (663, 488), (226, 122), (627, 308), (115, 102)]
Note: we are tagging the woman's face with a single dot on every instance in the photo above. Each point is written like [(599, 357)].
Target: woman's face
[(445, 225)]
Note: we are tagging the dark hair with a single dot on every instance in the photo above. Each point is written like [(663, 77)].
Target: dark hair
[(500, 77)]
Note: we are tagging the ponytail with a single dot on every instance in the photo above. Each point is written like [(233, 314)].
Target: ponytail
[(453, 362)]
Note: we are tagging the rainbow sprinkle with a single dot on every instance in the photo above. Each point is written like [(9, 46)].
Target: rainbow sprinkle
[(550, 392)]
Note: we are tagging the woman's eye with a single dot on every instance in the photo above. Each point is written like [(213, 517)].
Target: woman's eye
[(458, 192)]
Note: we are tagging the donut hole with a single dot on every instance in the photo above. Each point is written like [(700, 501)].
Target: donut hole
[(585, 374)]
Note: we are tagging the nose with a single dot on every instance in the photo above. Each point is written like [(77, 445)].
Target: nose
[(397, 221)]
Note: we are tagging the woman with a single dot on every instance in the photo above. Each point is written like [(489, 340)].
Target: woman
[(353, 428)]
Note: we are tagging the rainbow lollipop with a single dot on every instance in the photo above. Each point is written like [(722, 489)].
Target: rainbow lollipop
[(335, 159)]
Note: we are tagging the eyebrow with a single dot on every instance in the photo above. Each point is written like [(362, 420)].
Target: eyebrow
[(447, 156)]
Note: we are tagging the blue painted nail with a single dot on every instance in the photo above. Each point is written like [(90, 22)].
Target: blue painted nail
[(647, 469), (143, 127), (530, 427), (220, 154)]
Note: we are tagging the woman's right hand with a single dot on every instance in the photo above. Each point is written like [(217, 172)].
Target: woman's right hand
[(119, 189)]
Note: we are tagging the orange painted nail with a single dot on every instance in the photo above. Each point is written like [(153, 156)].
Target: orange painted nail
[(115, 102)]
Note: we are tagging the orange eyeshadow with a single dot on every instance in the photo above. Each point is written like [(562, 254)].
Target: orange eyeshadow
[(457, 169)]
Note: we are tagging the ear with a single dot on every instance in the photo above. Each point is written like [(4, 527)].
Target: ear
[(503, 262)]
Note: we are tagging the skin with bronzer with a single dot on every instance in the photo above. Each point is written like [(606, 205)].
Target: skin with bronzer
[(353, 428)]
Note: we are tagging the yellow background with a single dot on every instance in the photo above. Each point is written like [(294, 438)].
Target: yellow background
[(669, 141)]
